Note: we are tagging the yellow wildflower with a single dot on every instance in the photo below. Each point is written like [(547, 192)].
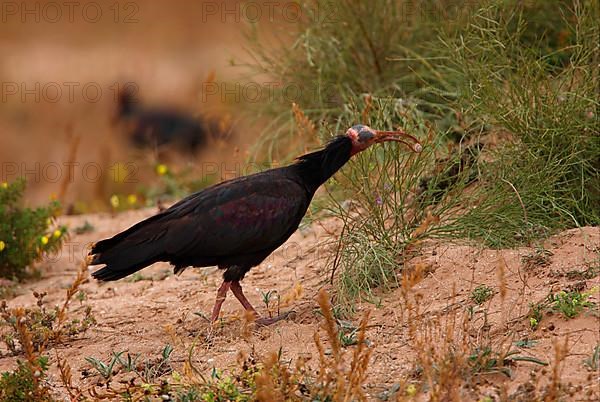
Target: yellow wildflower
[(4, 185), (2, 246), (114, 201), (411, 390), (132, 199), (162, 169), (57, 233), (44, 240)]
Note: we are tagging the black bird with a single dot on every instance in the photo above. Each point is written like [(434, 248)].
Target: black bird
[(236, 224), (162, 127)]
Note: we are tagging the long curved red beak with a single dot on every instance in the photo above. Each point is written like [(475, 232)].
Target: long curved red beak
[(399, 136)]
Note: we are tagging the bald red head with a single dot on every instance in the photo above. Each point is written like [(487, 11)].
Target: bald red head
[(363, 137)]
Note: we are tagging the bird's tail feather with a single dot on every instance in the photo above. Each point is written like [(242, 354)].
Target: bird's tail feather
[(128, 251)]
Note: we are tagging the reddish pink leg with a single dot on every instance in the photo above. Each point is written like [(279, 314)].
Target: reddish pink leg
[(221, 294), (236, 289)]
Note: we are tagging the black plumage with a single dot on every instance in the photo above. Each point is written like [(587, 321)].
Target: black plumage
[(234, 225)]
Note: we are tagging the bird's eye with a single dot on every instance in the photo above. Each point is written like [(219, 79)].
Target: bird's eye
[(365, 136)]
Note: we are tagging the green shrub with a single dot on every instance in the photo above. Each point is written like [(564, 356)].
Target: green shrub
[(24, 384), (45, 325), (26, 234), (549, 32), (550, 160), (571, 304), (453, 74), (349, 49)]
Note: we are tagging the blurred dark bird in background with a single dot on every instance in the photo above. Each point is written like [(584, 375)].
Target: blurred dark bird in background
[(460, 165), (166, 128), (236, 224)]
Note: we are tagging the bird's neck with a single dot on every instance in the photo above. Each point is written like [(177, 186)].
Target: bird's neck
[(315, 168)]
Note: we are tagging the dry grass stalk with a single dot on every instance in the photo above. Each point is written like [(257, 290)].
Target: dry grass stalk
[(67, 379), (333, 375), (294, 294), (307, 132), (40, 392), (429, 221), (360, 361), (25, 339), (266, 388), (71, 291), (43, 327), (554, 389), (73, 146), (502, 277), (367, 109)]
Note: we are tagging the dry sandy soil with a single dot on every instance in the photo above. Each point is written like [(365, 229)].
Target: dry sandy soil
[(143, 316)]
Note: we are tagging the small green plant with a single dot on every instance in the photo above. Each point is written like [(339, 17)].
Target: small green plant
[(347, 332), (28, 381), (8, 290), (81, 296), (348, 338), (267, 299), (86, 227), (486, 360), (593, 361), (26, 234), (592, 271), (570, 304), (152, 370), (24, 384), (137, 277), (525, 343), (44, 325), (481, 294), (106, 370), (149, 371), (130, 364), (536, 313), (220, 387)]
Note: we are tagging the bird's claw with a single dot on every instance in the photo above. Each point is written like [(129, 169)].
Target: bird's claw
[(264, 321)]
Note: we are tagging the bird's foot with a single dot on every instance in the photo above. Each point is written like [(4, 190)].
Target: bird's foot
[(264, 321)]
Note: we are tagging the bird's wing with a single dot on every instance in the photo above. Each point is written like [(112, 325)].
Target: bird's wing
[(241, 217)]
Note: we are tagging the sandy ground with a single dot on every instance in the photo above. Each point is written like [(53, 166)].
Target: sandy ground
[(144, 316)]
